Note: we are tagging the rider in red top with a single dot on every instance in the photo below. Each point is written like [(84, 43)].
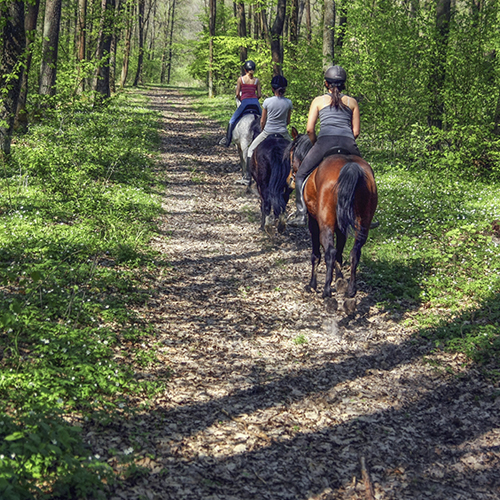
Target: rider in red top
[(248, 93)]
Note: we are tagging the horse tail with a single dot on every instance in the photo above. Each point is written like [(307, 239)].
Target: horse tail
[(280, 168), (350, 176)]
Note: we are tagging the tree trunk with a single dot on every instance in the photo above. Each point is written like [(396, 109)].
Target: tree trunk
[(140, 29), (211, 29), (276, 32), (171, 42), (31, 17), (294, 22), (81, 38), (101, 83), (14, 43), (339, 41), (48, 69), (308, 21), (112, 50), (242, 28), (438, 76), (328, 34), (126, 52)]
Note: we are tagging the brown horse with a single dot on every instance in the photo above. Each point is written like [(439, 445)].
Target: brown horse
[(341, 197)]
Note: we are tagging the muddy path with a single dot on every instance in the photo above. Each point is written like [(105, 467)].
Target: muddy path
[(273, 394)]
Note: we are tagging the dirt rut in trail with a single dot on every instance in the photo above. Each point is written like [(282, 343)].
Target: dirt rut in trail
[(273, 394)]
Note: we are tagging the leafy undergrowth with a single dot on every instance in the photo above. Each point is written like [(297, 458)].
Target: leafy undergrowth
[(77, 212), (435, 256)]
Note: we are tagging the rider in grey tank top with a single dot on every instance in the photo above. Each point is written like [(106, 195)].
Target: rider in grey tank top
[(336, 121)]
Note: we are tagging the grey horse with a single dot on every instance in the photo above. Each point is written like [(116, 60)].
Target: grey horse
[(245, 131)]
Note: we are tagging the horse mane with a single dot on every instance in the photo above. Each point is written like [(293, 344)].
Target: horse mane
[(300, 147)]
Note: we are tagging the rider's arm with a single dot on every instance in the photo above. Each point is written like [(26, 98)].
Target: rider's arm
[(259, 93), (288, 117), (238, 88), (311, 121), (355, 119), (263, 119)]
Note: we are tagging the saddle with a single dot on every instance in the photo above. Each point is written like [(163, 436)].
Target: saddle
[(251, 109), (337, 151)]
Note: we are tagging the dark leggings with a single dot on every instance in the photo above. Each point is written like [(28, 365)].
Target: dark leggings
[(317, 153)]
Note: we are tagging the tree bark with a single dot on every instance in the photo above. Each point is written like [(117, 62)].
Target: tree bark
[(81, 38), (329, 34), (170, 43), (242, 28), (437, 79), (294, 22), (276, 32), (48, 69), (140, 30), (126, 52), (211, 30), (31, 17), (101, 83), (14, 43), (308, 21), (112, 50)]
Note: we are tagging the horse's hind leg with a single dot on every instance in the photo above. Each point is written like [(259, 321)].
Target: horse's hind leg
[(355, 256), (330, 251), (316, 253), (340, 241)]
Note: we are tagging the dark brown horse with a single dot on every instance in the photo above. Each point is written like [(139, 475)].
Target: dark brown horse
[(341, 197)]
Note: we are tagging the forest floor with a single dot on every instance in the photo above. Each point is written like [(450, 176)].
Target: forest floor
[(273, 393)]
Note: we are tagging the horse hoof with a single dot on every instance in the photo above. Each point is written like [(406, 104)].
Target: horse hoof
[(331, 304), (309, 288), (349, 306), (281, 223), (341, 286)]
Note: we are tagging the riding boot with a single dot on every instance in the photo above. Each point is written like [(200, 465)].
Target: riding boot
[(299, 218), (229, 136)]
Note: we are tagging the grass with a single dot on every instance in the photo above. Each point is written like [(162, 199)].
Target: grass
[(77, 212)]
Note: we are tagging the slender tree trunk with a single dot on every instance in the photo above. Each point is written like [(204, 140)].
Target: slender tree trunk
[(14, 43), (211, 30), (264, 28), (112, 50), (126, 52), (242, 28), (308, 21), (437, 79), (101, 85), (276, 32), (48, 70), (140, 29), (496, 130), (294, 22), (31, 13), (171, 42), (250, 17), (81, 39), (328, 33)]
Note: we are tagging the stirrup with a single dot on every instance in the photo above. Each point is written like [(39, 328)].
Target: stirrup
[(374, 224)]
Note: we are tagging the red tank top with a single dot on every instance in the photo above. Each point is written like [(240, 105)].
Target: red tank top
[(248, 90)]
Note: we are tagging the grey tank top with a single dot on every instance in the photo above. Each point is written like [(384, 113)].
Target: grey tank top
[(335, 121)]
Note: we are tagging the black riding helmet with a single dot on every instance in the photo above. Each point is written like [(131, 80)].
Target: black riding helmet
[(279, 82), (335, 74), (249, 66)]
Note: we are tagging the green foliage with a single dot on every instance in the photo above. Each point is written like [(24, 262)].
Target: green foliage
[(435, 256), (78, 204)]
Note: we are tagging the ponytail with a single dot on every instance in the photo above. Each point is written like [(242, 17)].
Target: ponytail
[(335, 89)]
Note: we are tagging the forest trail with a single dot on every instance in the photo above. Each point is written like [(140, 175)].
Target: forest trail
[(271, 394)]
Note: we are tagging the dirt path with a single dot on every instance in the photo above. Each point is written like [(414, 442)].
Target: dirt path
[(272, 395)]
